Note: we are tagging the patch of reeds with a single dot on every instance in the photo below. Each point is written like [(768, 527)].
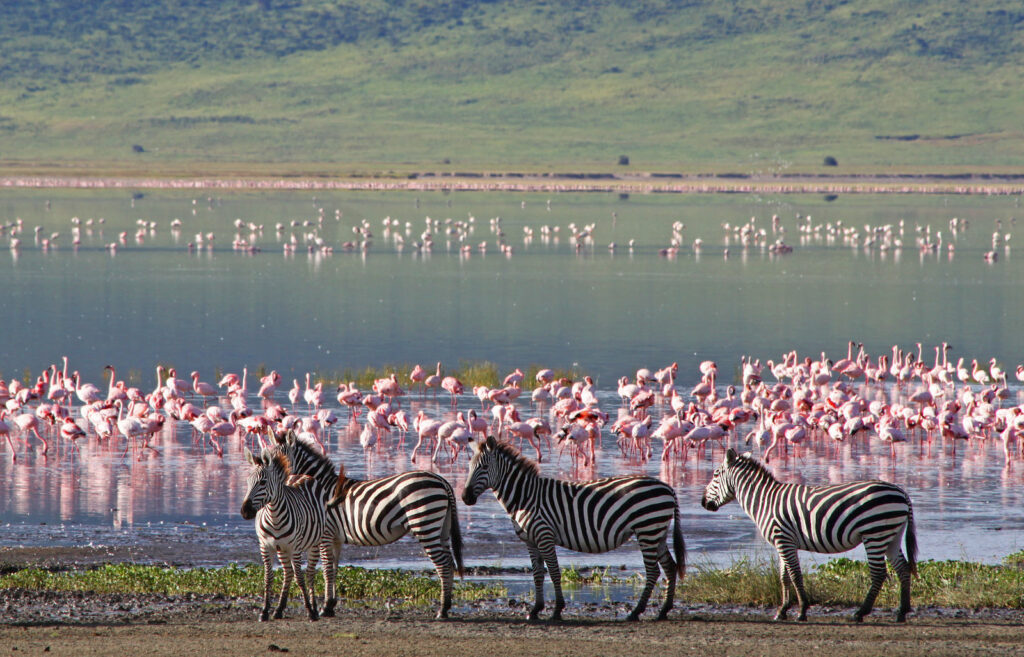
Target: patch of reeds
[(844, 582)]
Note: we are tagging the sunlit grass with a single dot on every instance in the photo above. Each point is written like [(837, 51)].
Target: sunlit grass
[(844, 582)]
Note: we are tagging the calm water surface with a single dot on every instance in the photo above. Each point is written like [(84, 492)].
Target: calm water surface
[(591, 310)]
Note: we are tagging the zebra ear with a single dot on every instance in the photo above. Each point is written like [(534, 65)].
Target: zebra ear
[(491, 442), (731, 456), (249, 457)]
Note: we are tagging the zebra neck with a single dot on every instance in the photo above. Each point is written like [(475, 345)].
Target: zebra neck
[(516, 487), (750, 484)]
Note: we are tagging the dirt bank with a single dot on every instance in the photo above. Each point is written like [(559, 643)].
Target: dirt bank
[(85, 624)]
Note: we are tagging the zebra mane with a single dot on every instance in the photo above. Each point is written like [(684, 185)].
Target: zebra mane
[(748, 463), (282, 460), (519, 460), (309, 450)]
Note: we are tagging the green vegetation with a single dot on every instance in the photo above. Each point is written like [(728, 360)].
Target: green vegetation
[(839, 582), (353, 583), (359, 87), (844, 582)]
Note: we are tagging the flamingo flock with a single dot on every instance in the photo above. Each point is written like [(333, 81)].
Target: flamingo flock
[(897, 397), (459, 236)]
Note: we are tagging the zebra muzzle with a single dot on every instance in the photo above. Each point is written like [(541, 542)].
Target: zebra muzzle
[(247, 511), (710, 505)]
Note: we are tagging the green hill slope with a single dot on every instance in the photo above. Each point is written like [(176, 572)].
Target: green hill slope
[(373, 85)]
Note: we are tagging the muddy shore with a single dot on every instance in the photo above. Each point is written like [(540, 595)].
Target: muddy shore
[(36, 622)]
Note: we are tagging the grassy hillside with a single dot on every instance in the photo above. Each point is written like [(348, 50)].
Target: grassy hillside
[(375, 85)]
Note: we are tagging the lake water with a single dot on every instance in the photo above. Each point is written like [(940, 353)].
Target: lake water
[(590, 310)]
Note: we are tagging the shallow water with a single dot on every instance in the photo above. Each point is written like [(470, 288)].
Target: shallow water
[(183, 499), (590, 311)]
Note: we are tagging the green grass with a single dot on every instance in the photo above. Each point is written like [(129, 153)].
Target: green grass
[(844, 583), (353, 583), (368, 88), (839, 583)]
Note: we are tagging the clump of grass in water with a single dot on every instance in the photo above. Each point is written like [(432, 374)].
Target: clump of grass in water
[(845, 582), (573, 576), (235, 580)]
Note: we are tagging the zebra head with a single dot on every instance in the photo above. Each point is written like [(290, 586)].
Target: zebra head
[(478, 480), (270, 471), (720, 490)]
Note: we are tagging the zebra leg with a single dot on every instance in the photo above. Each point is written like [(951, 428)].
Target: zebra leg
[(876, 565), (444, 564), (309, 588), (902, 568), (555, 573), (650, 555), (268, 582), (789, 567), (538, 582), (668, 566), (289, 571), (329, 557)]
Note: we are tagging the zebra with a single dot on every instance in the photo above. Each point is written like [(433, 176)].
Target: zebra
[(290, 522), (381, 511), (595, 516), (825, 519)]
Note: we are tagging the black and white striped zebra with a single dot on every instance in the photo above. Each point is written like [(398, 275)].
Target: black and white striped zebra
[(594, 516), (826, 519), (381, 511), (290, 521)]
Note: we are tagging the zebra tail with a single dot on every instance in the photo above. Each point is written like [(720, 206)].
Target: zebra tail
[(679, 546), (911, 539), (456, 535)]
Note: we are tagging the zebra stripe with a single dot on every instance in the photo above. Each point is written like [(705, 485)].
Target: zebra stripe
[(825, 519), (381, 511), (290, 522), (595, 516)]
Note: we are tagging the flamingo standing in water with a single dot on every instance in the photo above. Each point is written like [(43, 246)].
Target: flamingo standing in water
[(453, 386), (5, 431), (29, 422), (201, 388), (433, 381), (418, 375)]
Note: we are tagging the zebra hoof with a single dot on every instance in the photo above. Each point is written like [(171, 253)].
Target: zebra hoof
[(633, 618), (441, 615), (264, 616), (857, 618)]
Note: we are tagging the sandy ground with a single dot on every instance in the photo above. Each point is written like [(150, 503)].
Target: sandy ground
[(33, 622), (86, 624)]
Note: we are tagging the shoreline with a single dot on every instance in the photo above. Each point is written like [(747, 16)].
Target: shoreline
[(985, 184)]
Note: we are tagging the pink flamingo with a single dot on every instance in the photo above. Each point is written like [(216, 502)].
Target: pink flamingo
[(434, 380), (293, 394), (87, 393), (425, 428), (177, 386), (29, 422), (5, 431), (350, 396), (418, 375), (69, 430), (201, 388), (268, 385), (453, 386)]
